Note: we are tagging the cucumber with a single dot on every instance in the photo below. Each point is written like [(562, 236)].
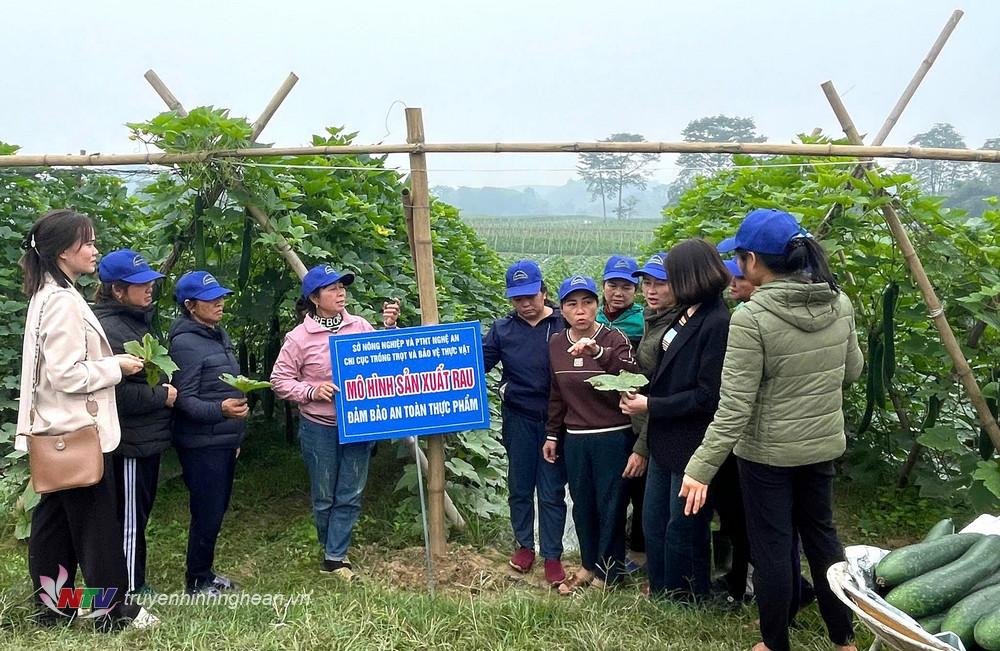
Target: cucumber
[(909, 562), (942, 588), (987, 631), (963, 616), (992, 579), (932, 624), (942, 528), (889, 298)]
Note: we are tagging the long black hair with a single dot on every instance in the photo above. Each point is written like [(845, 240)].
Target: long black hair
[(50, 235), (803, 256)]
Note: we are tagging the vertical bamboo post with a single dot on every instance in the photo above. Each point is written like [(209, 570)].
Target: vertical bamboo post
[(937, 315), (424, 264)]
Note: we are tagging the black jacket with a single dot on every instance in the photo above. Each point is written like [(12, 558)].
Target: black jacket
[(144, 418), (684, 389), (203, 354), (523, 350)]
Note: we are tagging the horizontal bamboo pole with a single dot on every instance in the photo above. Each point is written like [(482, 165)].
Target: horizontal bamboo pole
[(755, 148)]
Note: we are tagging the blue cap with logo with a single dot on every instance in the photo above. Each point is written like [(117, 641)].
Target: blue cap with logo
[(576, 284), (734, 268), (524, 278), (322, 275), (764, 230), (620, 266), (199, 286), (127, 266), (654, 267)]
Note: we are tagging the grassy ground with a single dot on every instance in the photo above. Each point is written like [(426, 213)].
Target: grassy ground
[(268, 545)]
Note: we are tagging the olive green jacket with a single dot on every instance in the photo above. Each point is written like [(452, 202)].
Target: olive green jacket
[(647, 354), (791, 349)]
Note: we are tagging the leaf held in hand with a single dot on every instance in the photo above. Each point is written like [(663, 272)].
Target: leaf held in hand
[(156, 360), (244, 384), (624, 382)]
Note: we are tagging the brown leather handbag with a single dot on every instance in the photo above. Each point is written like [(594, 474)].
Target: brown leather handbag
[(60, 461)]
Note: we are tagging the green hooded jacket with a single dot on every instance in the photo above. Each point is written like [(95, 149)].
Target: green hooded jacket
[(792, 348), (629, 321)]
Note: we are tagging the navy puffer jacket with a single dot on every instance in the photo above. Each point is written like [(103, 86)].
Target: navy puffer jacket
[(203, 354)]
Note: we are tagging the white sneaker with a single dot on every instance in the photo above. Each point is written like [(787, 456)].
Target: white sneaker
[(144, 620)]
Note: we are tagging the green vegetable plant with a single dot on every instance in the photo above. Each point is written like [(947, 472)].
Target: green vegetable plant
[(244, 384), (156, 360), (624, 382)]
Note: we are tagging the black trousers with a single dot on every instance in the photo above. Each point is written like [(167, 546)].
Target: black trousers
[(78, 528), (208, 475), (135, 479), (728, 504), (780, 501)]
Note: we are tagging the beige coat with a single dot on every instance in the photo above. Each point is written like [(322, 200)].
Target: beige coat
[(70, 367)]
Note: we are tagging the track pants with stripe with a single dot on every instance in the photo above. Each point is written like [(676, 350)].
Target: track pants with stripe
[(136, 479)]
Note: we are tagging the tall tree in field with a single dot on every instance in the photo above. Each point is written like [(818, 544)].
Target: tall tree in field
[(938, 176), (593, 169), (609, 175), (715, 128), (990, 171)]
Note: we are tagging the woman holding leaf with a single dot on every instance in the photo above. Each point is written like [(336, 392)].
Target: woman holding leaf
[(68, 375), (123, 306), (591, 431), (209, 422), (681, 399), (303, 374)]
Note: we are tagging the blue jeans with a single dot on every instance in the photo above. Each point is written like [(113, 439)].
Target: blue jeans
[(678, 547), (338, 474), (527, 471)]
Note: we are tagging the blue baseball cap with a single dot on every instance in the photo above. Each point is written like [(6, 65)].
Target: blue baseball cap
[(199, 286), (654, 267), (524, 278), (620, 266), (764, 231), (734, 268), (127, 266), (322, 275), (575, 284)]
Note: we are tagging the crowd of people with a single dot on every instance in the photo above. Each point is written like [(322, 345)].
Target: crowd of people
[(742, 416)]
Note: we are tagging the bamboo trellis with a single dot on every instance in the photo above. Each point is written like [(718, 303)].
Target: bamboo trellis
[(420, 237)]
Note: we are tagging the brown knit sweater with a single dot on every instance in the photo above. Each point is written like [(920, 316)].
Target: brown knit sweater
[(575, 407)]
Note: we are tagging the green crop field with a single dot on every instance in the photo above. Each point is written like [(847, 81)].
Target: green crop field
[(569, 235)]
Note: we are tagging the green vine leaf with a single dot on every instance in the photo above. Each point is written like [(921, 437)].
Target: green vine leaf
[(156, 359), (624, 382), (244, 384)]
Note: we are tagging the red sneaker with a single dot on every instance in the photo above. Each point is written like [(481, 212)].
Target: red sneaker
[(523, 559), (554, 572)]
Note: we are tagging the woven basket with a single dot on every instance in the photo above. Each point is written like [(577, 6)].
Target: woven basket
[(892, 633)]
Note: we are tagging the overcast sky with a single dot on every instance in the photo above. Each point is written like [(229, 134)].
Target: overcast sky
[(504, 71)]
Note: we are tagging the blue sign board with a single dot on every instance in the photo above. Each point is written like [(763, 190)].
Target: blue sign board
[(409, 382)]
